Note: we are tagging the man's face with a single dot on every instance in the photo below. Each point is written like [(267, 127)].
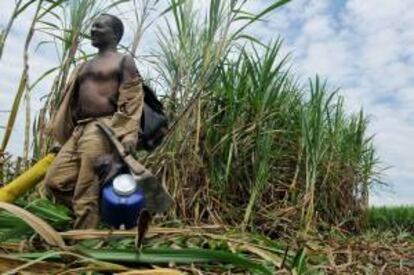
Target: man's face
[(102, 32)]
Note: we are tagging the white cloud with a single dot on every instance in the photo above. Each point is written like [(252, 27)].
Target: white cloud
[(372, 16), (318, 27), (327, 58)]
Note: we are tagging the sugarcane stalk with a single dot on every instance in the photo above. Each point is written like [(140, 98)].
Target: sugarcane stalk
[(10, 192)]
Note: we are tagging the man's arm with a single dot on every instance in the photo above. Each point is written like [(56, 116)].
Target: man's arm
[(126, 120)]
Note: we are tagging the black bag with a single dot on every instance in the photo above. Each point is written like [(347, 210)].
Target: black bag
[(154, 123)]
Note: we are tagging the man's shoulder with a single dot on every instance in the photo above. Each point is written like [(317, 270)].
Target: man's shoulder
[(127, 60), (127, 56), (129, 67)]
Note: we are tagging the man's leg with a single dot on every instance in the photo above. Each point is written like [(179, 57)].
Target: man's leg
[(92, 144), (62, 175)]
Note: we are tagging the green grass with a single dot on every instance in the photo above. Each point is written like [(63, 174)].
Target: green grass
[(12, 227), (396, 218)]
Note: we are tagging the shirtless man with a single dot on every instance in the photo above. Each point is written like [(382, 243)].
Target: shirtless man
[(106, 89)]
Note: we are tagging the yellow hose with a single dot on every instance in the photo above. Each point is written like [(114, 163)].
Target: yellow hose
[(27, 180)]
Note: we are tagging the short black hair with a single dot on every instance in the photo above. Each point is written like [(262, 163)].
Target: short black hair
[(117, 26)]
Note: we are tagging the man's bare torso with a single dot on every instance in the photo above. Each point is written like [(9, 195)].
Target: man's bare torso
[(98, 85)]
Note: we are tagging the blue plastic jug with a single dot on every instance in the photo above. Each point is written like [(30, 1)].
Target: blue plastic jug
[(121, 201)]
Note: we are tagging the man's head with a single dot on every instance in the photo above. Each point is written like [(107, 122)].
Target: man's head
[(106, 30)]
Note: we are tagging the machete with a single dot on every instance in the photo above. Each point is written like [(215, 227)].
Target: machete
[(156, 197)]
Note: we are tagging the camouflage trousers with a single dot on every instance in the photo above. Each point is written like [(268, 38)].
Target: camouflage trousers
[(71, 179)]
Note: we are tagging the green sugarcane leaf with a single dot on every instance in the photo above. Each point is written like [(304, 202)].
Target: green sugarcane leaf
[(163, 256)]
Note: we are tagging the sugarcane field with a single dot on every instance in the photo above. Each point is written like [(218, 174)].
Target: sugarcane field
[(206, 137)]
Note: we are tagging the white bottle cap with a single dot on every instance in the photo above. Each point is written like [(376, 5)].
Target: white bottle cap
[(124, 184)]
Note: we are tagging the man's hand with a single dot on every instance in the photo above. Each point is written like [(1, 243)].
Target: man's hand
[(107, 166), (129, 143)]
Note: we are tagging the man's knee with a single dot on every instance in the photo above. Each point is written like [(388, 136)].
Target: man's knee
[(50, 182)]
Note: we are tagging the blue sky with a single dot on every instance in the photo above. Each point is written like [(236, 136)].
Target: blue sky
[(365, 48)]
